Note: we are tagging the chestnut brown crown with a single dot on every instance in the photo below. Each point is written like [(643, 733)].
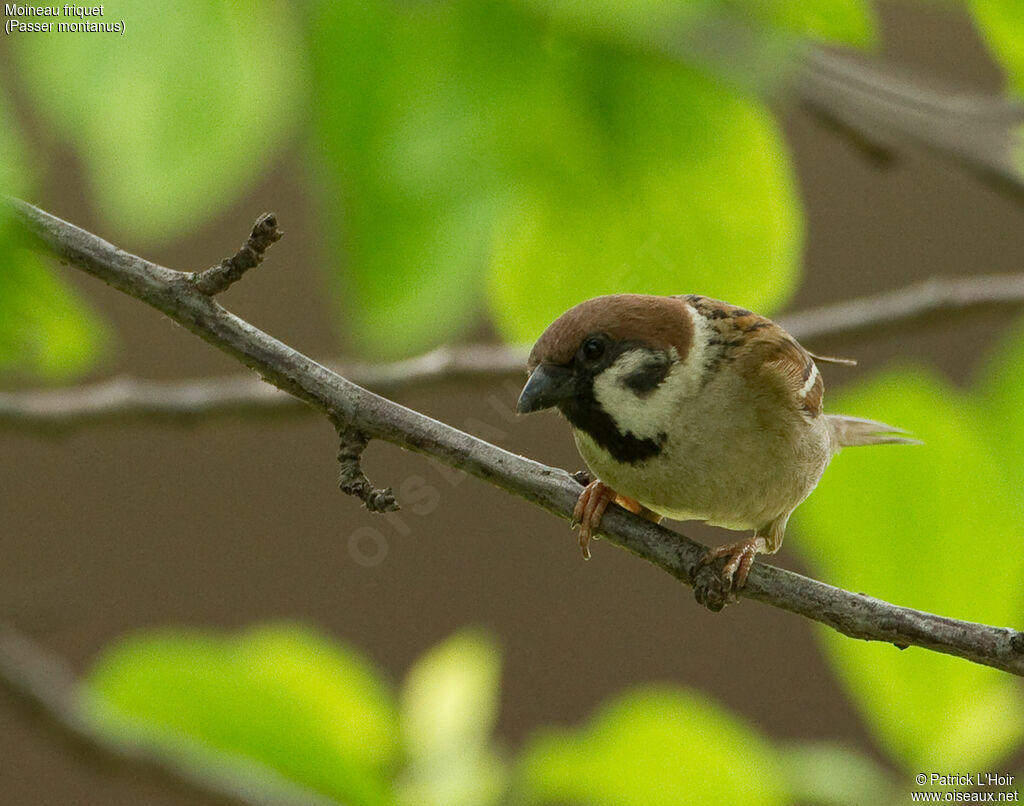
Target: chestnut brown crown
[(662, 322)]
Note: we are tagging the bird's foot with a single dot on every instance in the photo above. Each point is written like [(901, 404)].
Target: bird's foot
[(590, 507), (589, 510), (740, 557)]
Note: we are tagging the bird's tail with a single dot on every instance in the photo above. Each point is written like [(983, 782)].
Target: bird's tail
[(851, 431)]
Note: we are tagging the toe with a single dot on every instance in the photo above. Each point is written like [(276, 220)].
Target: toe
[(585, 544)]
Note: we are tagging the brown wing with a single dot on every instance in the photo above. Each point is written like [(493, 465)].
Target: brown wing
[(787, 363), (770, 351)]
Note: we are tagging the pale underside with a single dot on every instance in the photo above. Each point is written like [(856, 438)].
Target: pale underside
[(731, 456)]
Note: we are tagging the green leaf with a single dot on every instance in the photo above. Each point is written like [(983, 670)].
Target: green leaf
[(413, 102), (44, 329), (828, 774), (180, 115), (1002, 397), (15, 174), (760, 33), (641, 23), (654, 746), (840, 22), (279, 696), (935, 527), (659, 181), (461, 134), (1001, 23), (410, 102), (449, 707)]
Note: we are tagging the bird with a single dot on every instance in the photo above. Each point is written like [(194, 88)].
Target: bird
[(690, 408)]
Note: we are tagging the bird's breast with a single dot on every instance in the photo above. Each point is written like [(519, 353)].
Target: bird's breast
[(724, 461)]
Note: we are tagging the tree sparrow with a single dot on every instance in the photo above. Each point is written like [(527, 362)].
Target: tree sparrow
[(693, 409)]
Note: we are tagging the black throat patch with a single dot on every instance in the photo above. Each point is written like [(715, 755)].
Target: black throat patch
[(585, 414)]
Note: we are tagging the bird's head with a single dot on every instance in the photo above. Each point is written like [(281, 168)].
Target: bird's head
[(614, 366)]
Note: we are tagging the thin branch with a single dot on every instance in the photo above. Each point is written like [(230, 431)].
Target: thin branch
[(351, 478), (124, 399), (925, 304), (249, 255), (549, 488), (878, 110), (881, 108), (45, 683)]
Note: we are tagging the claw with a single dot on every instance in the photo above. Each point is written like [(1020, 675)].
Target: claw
[(589, 510), (590, 507), (741, 556)]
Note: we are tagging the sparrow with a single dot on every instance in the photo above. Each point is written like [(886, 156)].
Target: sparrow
[(689, 408)]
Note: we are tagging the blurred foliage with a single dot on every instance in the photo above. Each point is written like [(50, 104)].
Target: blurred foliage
[(1002, 410), (657, 747), (829, 774), (907, 525), (656, 201), (1001, 24), (281, 711), (278, 696), (44, 329), (282, 701), (840, 22), (759, 36), (465, 153), (408, 102), (479, 154), (449, 709), (178, 117)]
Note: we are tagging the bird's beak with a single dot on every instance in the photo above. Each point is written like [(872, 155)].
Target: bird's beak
[(547, 386)]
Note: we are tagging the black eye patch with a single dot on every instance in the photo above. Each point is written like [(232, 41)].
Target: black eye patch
[(650, 376)]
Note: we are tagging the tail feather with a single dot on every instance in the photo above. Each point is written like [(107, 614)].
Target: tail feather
[(852, 431)]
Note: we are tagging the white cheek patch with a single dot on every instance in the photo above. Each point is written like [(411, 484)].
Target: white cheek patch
[(646, 415)]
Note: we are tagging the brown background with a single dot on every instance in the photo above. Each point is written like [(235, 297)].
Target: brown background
[(122, 528)]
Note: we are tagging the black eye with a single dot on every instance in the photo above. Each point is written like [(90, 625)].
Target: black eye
[(593, 348)]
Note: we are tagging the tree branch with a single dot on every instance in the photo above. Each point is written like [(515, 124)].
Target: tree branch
[(878, 110), (551, 489), (925, 304), (249, 255), (351, 478), (879, 107), (124, 399)]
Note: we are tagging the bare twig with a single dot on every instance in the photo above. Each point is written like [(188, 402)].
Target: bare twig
[(194, 399), (928, 303), (351, 478), (249, 255), (123, 399), (880, 110), (549, 488), (45, 683)]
